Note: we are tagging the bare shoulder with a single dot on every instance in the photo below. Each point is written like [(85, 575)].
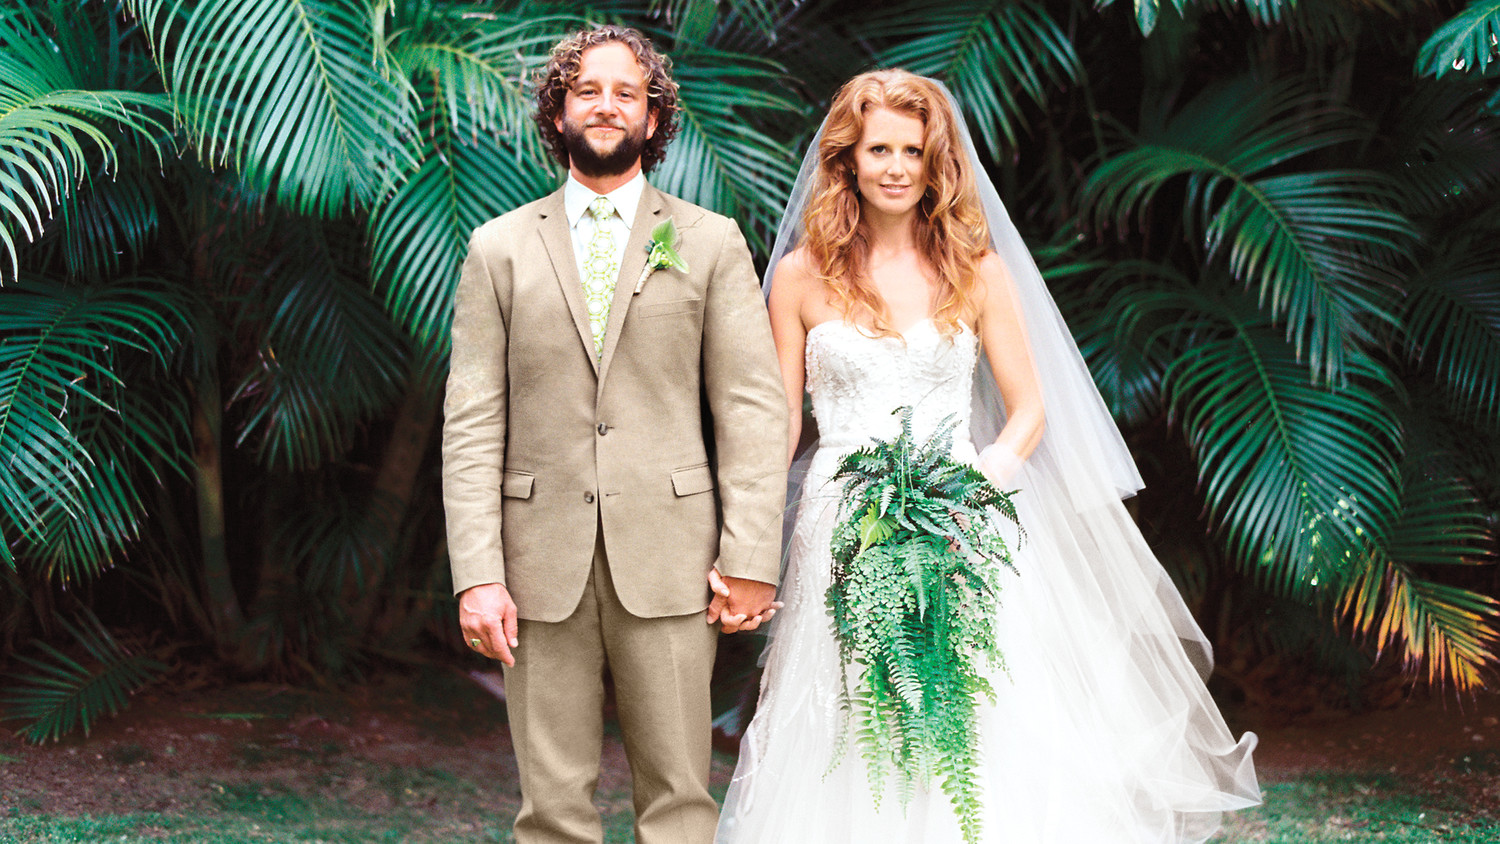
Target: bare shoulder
[(993, 273), (795, 270)]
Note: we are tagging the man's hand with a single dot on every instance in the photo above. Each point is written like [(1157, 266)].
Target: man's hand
[(739, 603), (486, 614)]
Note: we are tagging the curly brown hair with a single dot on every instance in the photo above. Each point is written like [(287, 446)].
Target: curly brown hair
[(950, 227), (553, 82)]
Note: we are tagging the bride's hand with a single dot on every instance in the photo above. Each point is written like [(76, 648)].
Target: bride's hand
[(748, 619), (999, 465)]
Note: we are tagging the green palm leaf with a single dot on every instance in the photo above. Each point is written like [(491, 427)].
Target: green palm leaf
[(62, 694), (478, 65), (331, 358), (1464, 44), (59, 352), (1263, 12), (297, 94), (1301, 476), (127, 451), (1316, 245), (1452, 323), (106, 226), (990, 52), (1128, 368), (482, 157), (1446, 150), (419, 233), (52, 129), (719, 159), (694, 21)]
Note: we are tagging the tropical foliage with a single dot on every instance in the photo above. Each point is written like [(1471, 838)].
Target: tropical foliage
[(230, 230)]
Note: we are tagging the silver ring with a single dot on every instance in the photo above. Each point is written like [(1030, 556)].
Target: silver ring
[(475, 643)]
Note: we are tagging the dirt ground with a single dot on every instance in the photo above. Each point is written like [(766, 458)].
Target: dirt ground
[(436, 739)]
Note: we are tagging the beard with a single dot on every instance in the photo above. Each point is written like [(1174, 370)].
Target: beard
[(591, 162)]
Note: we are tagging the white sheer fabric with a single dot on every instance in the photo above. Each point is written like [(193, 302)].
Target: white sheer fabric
[(1103, 730)]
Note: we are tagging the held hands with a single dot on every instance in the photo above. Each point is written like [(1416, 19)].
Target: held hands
[(999, 465), (739, 603), (487, 616)]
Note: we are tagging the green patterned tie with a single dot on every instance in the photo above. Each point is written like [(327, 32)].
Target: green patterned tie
[(599, 272)]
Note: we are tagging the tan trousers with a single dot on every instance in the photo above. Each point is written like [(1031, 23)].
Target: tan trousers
[(555, 696)]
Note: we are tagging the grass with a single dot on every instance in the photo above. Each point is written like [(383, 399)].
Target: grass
[(1354, 808), (1307, 810)]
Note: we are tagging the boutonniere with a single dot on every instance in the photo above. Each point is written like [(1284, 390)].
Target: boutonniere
[(661, 252)]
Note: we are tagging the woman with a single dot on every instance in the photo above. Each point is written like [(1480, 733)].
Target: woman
[(908, 285)]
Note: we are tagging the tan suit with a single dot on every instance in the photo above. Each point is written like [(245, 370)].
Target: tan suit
[(589, 490)]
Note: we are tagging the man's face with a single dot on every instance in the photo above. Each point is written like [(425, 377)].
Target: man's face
[(605, 120)]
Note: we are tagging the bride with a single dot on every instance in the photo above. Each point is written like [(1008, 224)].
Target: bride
[(898, 279)]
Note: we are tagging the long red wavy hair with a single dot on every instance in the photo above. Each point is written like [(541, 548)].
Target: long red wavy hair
[(950, 226)]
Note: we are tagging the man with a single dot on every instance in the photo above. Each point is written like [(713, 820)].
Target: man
[(584, 509)]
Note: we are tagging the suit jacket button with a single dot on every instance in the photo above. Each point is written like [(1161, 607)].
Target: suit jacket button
[(603, 429), (588, 497)]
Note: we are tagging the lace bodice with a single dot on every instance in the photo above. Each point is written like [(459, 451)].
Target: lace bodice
[(857, 380)]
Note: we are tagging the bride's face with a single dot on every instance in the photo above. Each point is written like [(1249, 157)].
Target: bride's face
[(888, 163)]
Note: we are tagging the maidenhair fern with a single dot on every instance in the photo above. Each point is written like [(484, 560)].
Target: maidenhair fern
[(916, 564)]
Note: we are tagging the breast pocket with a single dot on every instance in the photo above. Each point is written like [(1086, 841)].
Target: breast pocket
[(676, 306)]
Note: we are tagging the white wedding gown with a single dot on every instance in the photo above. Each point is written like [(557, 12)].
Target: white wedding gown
[(1103, 732)]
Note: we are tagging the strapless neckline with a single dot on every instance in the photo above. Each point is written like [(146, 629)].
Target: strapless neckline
[(925, 322)]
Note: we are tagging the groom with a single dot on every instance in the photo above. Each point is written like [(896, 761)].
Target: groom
[(612, 431)]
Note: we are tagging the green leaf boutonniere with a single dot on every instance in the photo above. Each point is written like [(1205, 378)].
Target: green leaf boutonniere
[(661, 252)]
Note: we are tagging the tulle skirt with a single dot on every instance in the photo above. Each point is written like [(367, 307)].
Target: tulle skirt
[(1102, 731)]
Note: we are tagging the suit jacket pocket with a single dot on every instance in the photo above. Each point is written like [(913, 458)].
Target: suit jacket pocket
[(692, 480), (516, 485), (676, 306)]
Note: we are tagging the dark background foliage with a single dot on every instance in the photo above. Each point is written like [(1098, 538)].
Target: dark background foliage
[(230, 230)]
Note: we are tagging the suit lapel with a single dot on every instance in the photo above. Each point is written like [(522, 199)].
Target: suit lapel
[(558, 241), (647, 215)]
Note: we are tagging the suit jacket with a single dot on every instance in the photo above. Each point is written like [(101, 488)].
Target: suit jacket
[(543, 444)]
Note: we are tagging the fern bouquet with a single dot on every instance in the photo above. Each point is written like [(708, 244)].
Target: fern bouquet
[(916, 564)]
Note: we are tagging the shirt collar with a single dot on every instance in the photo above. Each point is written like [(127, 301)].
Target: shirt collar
[(626, 199)]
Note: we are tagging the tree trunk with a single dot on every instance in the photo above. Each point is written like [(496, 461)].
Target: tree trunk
[(392, 493), (208, 477)]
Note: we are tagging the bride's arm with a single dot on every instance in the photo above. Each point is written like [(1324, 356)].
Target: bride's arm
[(1002, 330), (789, 288)]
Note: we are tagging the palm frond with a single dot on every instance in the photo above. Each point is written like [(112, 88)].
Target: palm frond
[(992, 53), (477, 67), (420, 231), (1445, 632), (719, 159), (1316, 245), (106, 225), (296, 94), (1263, 12), (1468, 43), (58, 358), (696, 21), (330, 358), (61, 694), (52, 129), (1126, 365), (1445, 150), (1302, 477), (1452, 324)]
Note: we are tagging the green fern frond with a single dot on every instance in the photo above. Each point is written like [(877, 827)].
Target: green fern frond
[(913, 603)]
